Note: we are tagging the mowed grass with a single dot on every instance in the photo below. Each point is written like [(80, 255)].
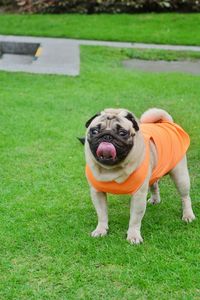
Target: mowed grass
[(46, 213), (164, 28), (166, 55)]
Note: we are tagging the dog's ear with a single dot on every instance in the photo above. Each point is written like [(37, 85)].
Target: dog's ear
[(90, 120), (82, 140), (131, 118)]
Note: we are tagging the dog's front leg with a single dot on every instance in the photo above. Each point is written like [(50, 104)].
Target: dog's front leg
[(137, 211), (100, 203)]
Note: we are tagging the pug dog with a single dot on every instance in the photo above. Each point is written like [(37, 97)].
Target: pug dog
[(128, 156)]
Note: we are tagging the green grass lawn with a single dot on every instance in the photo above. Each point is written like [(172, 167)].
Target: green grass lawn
[(46, 212), (150, 28)]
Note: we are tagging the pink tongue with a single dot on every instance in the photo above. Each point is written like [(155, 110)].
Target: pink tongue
[(106, 150)]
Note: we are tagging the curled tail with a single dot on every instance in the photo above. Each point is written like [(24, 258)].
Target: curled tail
[(154, 115)]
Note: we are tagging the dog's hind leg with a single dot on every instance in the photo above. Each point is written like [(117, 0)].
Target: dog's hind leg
[(155, 194), (181, 178)]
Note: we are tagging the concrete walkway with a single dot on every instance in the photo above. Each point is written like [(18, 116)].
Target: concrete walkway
[(62, 56), (138, 45), (192, 67), (58, 56)]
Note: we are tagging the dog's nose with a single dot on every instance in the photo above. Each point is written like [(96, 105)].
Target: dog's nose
[(107, 138)]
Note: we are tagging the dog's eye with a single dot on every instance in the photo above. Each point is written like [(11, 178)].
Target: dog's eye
[(94, 131), (123, 132)]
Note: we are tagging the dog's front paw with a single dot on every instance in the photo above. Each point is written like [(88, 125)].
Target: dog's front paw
[(154, 200), (99, 231), (134, 237), (188, 216)]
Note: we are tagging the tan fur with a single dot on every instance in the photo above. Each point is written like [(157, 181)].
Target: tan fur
[(121, 172)]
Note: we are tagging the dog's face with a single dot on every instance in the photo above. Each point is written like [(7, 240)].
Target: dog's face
[(110, 135)]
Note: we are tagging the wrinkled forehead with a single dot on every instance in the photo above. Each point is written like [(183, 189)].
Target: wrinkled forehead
[(109, 118)]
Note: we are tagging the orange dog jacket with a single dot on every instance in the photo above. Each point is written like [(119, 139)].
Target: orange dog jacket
[(171, 143)]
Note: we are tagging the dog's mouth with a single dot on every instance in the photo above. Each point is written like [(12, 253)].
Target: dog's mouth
[(108, 148), (106, 152)]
